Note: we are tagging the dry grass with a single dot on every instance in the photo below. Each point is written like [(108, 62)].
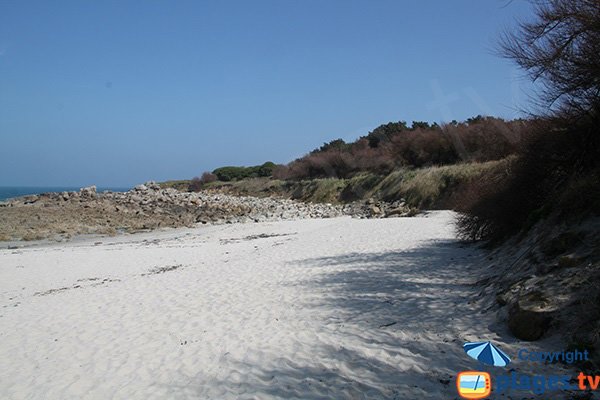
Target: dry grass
[(318, 190), (434, 186), (431, 187), (181, 184)]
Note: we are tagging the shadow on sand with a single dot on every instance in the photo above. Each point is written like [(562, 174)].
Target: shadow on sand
[(390, 325)]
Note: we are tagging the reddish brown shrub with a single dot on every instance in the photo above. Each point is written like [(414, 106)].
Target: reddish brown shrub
[(559, 152), (195, 185), (198, 183), (394, 144)]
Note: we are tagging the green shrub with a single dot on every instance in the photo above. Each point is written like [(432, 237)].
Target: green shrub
[(266, 169), (231, 173), (227, 174), (337, 144)]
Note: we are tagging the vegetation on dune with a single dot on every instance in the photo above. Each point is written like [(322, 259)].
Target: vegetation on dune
[(395, 145), (227, 174), (440, 187), (389, 148), (556, 172), (428, 187)]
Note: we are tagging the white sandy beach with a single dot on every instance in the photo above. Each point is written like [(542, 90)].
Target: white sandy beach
[(324, 308)]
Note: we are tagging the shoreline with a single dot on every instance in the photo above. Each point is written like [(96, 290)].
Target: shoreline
[(21, 191)]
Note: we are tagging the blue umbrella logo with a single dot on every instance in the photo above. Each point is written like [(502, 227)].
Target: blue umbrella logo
[(486, 353)]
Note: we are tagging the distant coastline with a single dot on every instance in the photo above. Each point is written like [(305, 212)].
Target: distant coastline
[(9, 192)]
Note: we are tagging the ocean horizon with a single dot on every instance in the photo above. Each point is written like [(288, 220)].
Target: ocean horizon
[(9, 192)]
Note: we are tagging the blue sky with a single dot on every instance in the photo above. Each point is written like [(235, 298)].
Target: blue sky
[(115, 93)]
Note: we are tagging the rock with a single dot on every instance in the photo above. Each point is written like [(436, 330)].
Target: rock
[(140, 188), (152, 185), (30, 199), (375, 210), (528, 319), (88, 189), (501, 299), (89, 192), (395, 212)]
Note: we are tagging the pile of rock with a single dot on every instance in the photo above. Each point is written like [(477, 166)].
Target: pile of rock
[(372, 208), (206, 207), (149, 199), (217, 208), (149, 206)]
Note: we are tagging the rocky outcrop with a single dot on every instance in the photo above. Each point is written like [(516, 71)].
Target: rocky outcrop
[(372, 208), (148, 206), (529, 317)]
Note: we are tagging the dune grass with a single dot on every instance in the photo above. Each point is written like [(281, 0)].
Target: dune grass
[(429, 187), (434, 186)]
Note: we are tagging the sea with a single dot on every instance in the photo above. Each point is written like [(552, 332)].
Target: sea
[(8, 192)]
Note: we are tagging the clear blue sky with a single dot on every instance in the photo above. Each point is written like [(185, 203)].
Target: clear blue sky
[(115, 93)]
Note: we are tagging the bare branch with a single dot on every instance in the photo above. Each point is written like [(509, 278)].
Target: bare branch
[(561, 50)]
